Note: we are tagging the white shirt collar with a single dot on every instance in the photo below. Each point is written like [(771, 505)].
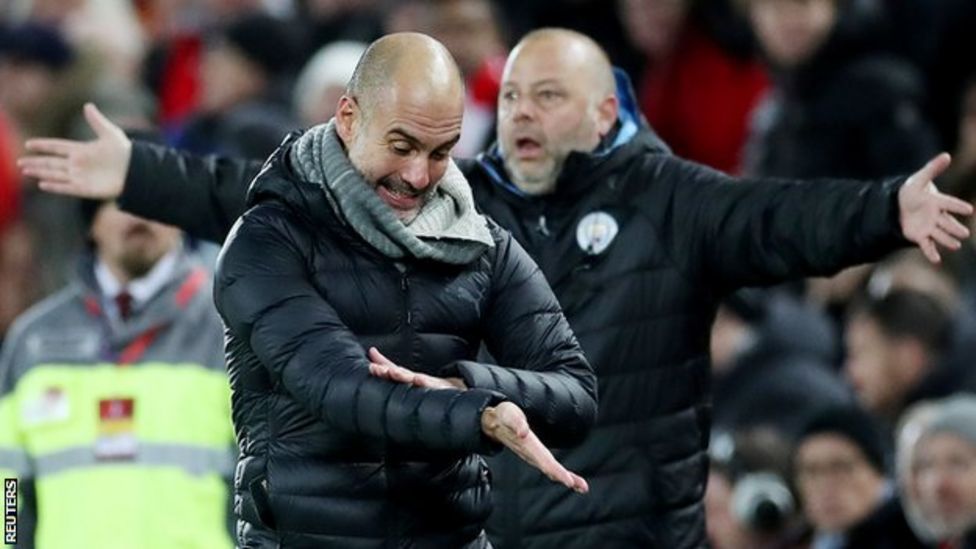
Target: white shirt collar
[(141, 289)]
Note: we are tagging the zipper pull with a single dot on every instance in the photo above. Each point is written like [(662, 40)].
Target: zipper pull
[(542, 228)]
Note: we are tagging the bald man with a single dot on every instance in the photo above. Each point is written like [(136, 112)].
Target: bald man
[(639, 247), (361, 251)]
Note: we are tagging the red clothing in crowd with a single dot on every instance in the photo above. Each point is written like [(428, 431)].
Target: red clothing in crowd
[(180, 91), (700, 99), (9, 177)]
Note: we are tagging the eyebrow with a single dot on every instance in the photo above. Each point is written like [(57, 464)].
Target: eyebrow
[(403, 134), (546, 81), (510, 83)]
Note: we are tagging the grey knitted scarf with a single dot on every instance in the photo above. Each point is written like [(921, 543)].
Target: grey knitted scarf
[(447, 229)]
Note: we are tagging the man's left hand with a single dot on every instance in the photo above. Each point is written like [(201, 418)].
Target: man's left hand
[(384, 368), (927, 215)]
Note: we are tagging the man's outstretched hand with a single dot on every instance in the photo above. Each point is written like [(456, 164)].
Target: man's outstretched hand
[(928, 217), (86, 169), (505, 423)]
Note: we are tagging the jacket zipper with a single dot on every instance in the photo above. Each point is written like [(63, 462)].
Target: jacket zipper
[(407, 318), (400, 520), (542, 227)]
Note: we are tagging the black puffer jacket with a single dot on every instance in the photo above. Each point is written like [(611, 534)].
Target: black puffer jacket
[(642, 308), (333, 457)]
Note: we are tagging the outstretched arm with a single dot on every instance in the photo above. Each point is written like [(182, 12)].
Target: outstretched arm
[(201, 195), (750, 232)]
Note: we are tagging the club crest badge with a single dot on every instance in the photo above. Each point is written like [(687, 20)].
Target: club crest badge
[(595, 232)]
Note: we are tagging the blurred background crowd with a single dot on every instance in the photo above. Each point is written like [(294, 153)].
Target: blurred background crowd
[(841, 406)]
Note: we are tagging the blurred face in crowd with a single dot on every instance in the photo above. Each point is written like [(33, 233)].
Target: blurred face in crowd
[(654, 25), (228, 78), (467, 28), (401, 139), (557, 96), (791, 31), (880, 369), (838, 486), (944, 471), (130, 246), (26, 87)]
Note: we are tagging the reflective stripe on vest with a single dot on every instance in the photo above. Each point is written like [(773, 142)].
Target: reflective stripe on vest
[(13, 463), (171, 491), (194, 461)]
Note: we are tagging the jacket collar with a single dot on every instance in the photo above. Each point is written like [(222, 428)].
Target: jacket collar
[(187, 277)]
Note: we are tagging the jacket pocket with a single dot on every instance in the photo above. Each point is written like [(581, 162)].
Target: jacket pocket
[(258, 488)]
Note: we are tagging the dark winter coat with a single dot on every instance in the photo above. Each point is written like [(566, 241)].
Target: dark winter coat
[(334, 457), (641, 303)]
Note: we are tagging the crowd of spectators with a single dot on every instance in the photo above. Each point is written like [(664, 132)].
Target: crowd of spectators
[(842, 406)]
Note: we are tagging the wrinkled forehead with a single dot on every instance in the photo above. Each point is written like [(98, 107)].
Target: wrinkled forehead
[(424, 116)]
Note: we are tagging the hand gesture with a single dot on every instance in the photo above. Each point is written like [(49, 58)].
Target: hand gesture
[(85, 169), (382, 367), (927, 215), (507, 424)]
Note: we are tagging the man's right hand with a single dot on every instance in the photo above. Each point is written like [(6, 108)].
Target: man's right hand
[(86, 169), (507, 424)]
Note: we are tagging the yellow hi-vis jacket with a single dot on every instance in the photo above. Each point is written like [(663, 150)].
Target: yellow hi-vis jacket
[(119, 432)]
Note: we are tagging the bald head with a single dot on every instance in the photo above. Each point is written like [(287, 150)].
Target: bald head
[(574, 53), (558, 96), (400, 118), (406, 62)]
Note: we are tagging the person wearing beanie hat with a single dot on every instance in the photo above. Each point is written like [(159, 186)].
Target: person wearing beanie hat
[(33, 57), (839, 472), (36, 43), (264, 41), (853, 423), (937, 462)]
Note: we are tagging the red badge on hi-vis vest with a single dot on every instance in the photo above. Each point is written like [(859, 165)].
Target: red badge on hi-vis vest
[(116, 429)]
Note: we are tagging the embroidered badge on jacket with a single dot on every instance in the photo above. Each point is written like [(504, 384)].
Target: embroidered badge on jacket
[(596, 231)]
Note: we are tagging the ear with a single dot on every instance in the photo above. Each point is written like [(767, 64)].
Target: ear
[(606, 114), (347, 116)]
